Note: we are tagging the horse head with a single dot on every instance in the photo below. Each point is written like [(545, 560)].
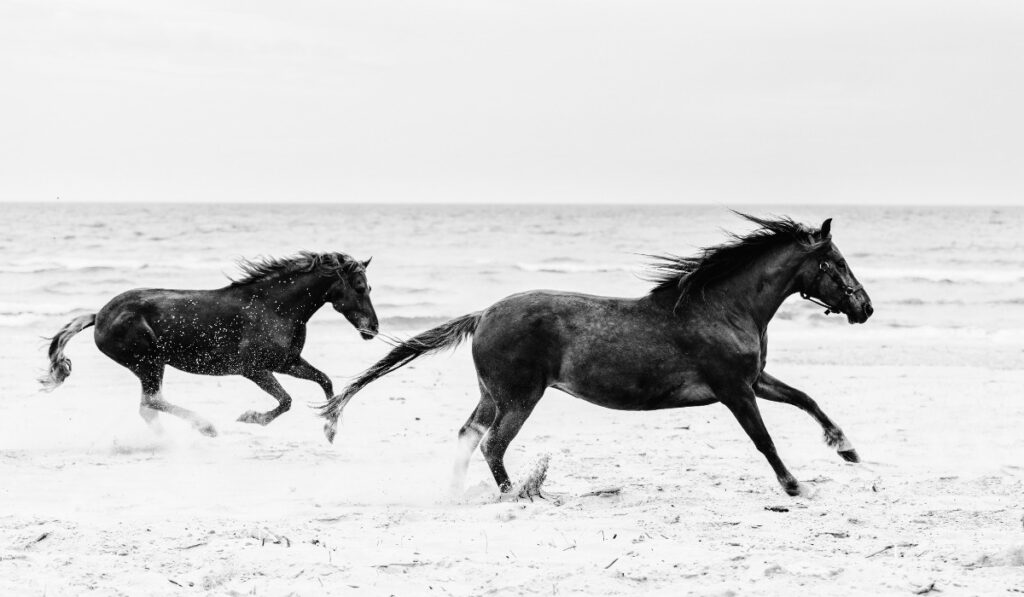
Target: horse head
[(350, 296), (825, 275)]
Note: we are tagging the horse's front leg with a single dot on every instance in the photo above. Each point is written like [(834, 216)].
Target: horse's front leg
[(267, 381), (303, 370), (769, 388), (743, 404)]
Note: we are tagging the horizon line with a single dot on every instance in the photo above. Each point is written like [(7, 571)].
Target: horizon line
[(722, 204)]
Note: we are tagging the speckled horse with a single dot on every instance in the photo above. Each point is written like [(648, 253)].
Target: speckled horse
[(697, 338), (254, 327)]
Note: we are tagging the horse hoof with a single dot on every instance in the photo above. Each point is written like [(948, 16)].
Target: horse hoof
[(849, 455), (794, 489), (330, 429)]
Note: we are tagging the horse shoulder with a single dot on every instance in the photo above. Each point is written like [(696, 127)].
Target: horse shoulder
[(727, 352)]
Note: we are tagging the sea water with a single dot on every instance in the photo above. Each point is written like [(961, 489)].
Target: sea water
[(927, 269)]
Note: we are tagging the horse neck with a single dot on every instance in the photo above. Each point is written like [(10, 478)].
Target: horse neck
[(295, 296), (760, 288)]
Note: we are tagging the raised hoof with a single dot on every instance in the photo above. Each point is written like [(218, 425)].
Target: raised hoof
[(330, 429), (207, 429), (254, 417), (849, 455)]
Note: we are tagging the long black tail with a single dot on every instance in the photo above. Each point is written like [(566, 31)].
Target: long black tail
[(446, 335), (60, 365)]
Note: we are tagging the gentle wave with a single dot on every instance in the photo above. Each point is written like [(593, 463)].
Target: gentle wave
[(946, 276), (414, 323), (572, 267), (14, 318), (101, 265)]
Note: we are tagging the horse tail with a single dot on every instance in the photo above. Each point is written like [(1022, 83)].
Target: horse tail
[(60, 365), (446, 335)]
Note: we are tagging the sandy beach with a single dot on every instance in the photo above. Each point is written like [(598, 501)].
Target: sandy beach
[(696, 510)]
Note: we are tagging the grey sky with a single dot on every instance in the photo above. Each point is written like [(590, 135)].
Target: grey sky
[(726, 102)]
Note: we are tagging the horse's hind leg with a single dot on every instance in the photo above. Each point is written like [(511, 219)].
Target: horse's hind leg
[(152, 381), (303, 370), (270, 385), (469, 438), (151, 376), (512, 408), (770, 388), (743, 405)]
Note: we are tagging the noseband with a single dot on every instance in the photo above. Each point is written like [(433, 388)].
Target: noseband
[(826, 268)]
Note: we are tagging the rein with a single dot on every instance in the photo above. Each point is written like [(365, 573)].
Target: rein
[(824, 267)]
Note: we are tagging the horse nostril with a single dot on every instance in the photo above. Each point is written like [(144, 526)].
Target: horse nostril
[(868, 309)]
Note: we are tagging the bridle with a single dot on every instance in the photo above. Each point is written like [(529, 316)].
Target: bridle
[(826, 268)]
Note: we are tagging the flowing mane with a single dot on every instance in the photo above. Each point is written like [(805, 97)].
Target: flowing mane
[(323, 264), (691, 275)]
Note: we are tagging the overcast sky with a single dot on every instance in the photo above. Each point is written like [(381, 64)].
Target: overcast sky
[(556, 101)]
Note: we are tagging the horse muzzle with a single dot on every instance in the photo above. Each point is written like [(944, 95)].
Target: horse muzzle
[(367, 329), (860, 311)]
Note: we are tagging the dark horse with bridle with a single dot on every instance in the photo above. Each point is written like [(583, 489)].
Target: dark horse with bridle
[(254, 327), (698, 338)]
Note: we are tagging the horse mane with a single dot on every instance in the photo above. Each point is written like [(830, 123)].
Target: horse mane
[(323, 264), (692, 275)]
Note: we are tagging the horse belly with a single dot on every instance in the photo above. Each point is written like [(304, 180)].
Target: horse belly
[(203, 362), (628, 397)]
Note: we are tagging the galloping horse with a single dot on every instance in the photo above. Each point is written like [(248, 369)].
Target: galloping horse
[(697, 338), (254, 327)]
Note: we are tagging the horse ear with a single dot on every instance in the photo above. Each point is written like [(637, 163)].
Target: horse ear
[(366, 263), (826, 229)]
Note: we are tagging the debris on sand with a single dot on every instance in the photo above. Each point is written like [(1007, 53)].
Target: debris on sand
[(265, 536), (411, 564), (37, 539), (193, 546), (603, 493), (776, 508), (883, 550)]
